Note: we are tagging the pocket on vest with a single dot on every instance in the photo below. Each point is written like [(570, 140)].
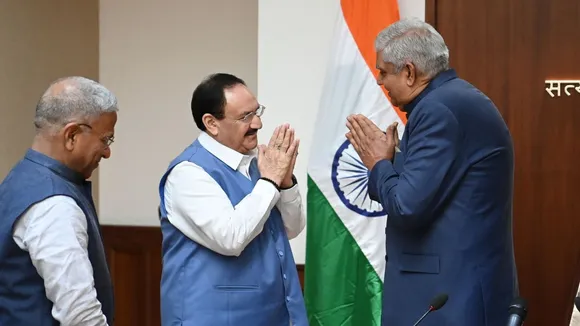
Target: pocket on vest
[(237, 288), (413, 263)]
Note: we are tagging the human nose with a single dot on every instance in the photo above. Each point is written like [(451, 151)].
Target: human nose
[(107, 152), (256, 122), (379, 80)]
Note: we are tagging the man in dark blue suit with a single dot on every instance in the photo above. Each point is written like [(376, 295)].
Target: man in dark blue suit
[(447, 191)]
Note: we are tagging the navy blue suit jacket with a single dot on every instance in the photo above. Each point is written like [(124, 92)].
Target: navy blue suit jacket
[(448, 195)]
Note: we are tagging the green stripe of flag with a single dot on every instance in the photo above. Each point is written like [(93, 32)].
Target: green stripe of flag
[(341, 286)]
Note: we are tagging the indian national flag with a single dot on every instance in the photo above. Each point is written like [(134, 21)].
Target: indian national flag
[(345, 242)]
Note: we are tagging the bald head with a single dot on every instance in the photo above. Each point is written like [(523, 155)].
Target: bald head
[(70, 99)]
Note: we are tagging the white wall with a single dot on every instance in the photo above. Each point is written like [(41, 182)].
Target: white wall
[(412, 8), (153, 55)]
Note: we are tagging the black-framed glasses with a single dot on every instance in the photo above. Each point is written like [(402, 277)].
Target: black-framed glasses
[(249, 116), (107, 140)]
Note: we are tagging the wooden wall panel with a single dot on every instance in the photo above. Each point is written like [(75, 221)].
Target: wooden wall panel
[(508, 48), (134, 256)]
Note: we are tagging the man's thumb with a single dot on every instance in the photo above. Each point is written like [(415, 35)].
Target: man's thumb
[(391, 128)]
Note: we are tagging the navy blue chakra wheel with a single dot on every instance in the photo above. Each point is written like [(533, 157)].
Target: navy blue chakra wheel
[(350, 179)]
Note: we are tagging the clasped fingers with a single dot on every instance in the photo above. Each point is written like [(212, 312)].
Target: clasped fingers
[(287, 140), (279, 138)]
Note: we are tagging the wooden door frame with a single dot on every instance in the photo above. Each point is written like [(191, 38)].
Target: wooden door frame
[(431, 12)]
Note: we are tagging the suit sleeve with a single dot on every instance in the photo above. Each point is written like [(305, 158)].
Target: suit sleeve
[(412, 196)]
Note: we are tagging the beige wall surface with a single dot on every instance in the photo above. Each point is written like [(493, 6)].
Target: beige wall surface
[(152, 59), (40, 41)]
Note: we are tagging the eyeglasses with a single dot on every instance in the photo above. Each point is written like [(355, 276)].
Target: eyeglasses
[(107, 141), (248, 117)]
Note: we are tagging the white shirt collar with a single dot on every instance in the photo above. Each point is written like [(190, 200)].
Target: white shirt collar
[(225, 154)]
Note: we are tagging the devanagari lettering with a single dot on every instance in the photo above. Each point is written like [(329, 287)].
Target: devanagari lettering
[(557, 85)]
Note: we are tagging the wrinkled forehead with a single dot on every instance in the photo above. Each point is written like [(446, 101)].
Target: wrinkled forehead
[(239, 100)]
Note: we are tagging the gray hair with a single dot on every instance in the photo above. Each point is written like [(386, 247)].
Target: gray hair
[(73, 98), (413, 40)]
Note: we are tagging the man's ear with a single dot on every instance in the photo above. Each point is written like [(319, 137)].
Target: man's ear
[(70, 134), (211, 124), (411, 73)]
